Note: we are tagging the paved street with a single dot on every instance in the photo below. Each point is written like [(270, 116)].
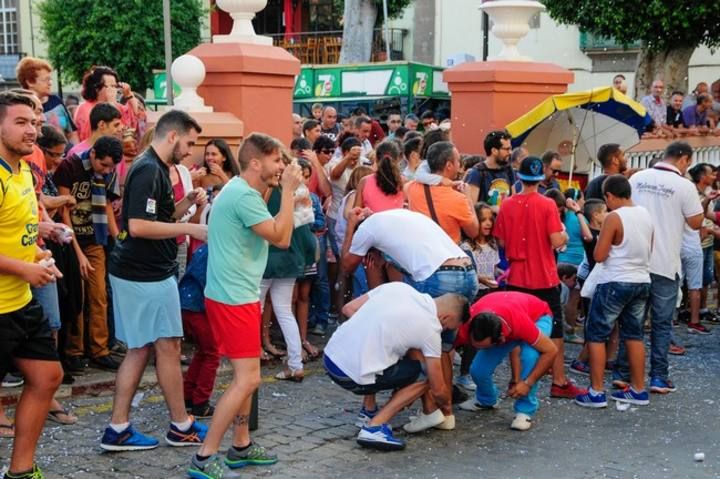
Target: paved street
[(310, 426)]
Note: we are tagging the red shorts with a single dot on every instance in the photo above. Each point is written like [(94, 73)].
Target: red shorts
[(236, 328)]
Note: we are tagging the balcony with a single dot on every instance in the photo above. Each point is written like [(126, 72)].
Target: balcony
[(322, 48)]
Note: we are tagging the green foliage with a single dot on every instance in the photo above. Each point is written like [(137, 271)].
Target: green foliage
[(660, 24), (126, 35)]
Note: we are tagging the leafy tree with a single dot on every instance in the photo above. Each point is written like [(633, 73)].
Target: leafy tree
[(670, 32), (125, 35), (359, 21)]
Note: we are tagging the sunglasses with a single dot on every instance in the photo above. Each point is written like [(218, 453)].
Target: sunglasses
[(556, 172), (326, 151)]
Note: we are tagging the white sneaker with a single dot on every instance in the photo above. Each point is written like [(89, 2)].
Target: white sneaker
[(522, 422), (448, 424), (473, 406), (425, 421)]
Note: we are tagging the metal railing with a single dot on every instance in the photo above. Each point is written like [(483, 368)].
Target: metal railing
[(324, 47), (590, 42), (706, 149)]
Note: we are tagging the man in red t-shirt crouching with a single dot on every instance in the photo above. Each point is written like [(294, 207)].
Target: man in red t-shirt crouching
[(515, 324)]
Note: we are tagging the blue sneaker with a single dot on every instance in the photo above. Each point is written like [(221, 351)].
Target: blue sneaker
[(580, 367), (127, 440), (194, 436), (365, 416), (466, 382), (591, 400), (661, 386), (629, 395), (379, 437)]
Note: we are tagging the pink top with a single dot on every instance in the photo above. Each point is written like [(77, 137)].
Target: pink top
[(82, 117), (375, 199)]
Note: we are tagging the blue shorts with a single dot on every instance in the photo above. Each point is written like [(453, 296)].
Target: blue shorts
[(146, 311), (626, 303), (397, 376), (456, 280)]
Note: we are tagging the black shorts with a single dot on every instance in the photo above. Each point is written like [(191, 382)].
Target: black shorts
[(26, 334), (552, 297)]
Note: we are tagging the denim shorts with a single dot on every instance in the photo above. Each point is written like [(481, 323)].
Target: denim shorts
[(47, 297), (397, 376), (626, 303), (692, 268), (464, 283), (708, 266)]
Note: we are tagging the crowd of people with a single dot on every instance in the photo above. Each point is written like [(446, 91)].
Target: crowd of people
[(118, 242)]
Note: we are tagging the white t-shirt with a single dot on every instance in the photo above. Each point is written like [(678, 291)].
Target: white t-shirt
[(670, 199), (338, 187), (412, 239), (395, 319)]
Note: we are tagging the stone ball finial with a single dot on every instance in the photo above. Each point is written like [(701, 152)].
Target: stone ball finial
[(188, 72)]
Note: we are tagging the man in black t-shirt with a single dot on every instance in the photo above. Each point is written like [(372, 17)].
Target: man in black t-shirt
[(142, 275), (492, 180), (613, 161), (675, 117)]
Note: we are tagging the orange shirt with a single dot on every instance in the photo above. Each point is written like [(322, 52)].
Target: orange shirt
[(451, 207)]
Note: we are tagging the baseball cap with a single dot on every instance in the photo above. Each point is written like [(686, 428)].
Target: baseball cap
[(531, 169)]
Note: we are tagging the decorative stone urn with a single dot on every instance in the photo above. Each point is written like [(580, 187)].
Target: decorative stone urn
[(242, 13), (188, 72), (511, 22)]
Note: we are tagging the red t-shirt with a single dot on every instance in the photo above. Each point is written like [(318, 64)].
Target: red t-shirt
[(524, 224), (519, 312)]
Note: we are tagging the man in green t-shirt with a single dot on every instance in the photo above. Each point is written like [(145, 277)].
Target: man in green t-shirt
[(240, 228)]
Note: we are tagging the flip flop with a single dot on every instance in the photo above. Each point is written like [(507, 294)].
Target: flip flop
[(7, 431), (57, 416)]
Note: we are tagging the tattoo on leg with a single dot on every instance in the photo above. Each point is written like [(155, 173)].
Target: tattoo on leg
[(241, 419)]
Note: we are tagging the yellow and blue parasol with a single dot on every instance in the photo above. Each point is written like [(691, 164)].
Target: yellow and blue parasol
[(577, 124)]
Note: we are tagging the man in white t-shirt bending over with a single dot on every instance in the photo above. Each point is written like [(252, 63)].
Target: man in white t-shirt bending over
[(391, 338), (672, 201)]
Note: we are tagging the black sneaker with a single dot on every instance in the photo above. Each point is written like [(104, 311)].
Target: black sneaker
[(75, 364), (13, 380), (458, 395), (202, 411), (106, 362)]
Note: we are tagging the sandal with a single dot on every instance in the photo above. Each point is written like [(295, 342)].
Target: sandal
[(296, 376), (312, 351), (62, 416), (7, 431), (273, 351)]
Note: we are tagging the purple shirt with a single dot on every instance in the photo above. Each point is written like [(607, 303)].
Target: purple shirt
[(693, 118)]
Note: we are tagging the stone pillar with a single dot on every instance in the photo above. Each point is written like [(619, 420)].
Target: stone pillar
[(249, 77), (487, 96)]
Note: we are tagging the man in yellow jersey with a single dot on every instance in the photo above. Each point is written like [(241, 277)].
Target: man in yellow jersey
[(25, 335)]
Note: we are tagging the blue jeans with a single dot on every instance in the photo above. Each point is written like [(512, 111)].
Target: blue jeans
[(487, 360), (47, 297), (663, 297), (331, 237), (708, 266), (464, 283), (401, 374), (625, 303), (320, 293)]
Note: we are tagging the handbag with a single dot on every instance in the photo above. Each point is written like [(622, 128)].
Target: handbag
[(591, 282)]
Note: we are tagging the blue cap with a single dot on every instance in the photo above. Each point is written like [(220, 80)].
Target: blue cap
[(531, 169)]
